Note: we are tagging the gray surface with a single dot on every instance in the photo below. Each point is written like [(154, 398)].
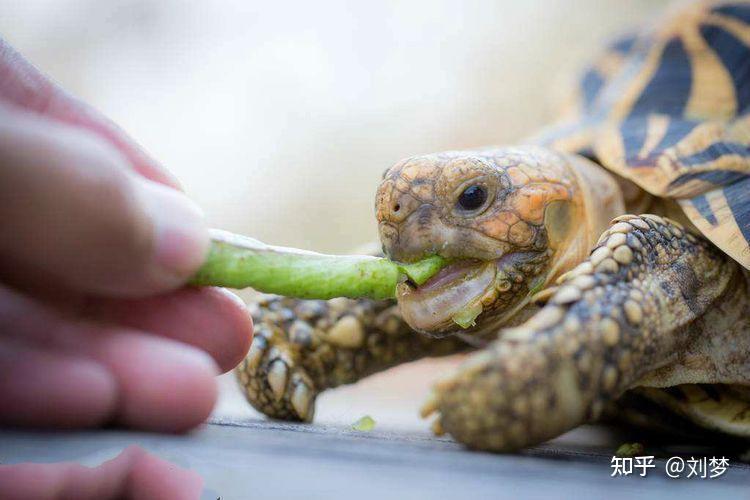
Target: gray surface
[(264, 460)]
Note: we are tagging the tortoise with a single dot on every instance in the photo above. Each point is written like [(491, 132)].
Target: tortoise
[(599, 268)]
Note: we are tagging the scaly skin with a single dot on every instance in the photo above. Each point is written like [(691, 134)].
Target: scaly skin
[(302, 347), (618, 316), (416, 214)]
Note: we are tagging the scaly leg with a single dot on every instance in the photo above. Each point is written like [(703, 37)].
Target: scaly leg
[(615, 318), (303, 347)]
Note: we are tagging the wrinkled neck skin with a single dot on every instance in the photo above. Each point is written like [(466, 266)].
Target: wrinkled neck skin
[(544, 213), (572, 231), (598, 200)]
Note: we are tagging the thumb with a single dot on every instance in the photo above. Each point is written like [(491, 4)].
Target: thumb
[(73, 212)]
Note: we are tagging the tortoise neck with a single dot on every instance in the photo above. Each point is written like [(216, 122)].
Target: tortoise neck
[(597, 200)]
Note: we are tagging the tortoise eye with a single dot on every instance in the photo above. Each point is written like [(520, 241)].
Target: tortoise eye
[(472, 197)]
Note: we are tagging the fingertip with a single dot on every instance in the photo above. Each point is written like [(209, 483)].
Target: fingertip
[(74, 213), (212, 319), (234, 338), (180, 234), (164, 385)]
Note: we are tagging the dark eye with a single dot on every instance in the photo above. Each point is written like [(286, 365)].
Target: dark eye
[(472, 198)]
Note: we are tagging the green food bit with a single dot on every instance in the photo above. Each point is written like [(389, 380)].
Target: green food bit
[(629, 450), (364, 424), (466, 317), (239, 262)]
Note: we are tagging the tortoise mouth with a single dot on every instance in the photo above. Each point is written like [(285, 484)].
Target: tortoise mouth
[(451, 299)]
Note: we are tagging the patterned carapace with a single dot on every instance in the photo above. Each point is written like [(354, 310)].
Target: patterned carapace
[(669, 109)]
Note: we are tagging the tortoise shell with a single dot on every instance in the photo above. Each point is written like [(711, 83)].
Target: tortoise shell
[(669, 109)]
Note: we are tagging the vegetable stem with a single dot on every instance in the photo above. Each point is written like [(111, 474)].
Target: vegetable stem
[(238, 262)]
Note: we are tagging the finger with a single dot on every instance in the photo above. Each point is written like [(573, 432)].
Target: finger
[(212, 319), (48, 389), (72, 214), (22, 85), (51, 361), (135, 380), (132, 474), (164, 386), (152, 477)]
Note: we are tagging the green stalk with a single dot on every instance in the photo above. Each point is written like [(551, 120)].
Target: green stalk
[(238, 262)]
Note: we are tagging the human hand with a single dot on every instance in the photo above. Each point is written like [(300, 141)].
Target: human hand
[(95, 243)]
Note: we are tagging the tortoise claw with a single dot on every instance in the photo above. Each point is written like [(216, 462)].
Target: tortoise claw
[(431, 407), (278, 374), (303, 399), (274, 382)]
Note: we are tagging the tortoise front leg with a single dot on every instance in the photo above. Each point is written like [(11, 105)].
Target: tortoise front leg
[(303, 347), (616, 317)]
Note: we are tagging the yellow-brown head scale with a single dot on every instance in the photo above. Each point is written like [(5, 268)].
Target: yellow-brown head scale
[(510, 219)]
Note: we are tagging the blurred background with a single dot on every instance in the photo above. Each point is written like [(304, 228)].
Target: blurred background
[(280, 117)]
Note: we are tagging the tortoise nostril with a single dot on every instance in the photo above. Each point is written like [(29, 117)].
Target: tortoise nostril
[(396, 207)]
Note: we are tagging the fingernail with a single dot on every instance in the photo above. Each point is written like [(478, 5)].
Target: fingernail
[(180, 233)]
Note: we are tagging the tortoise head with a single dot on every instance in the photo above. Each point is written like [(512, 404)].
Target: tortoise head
[(510, 221)]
